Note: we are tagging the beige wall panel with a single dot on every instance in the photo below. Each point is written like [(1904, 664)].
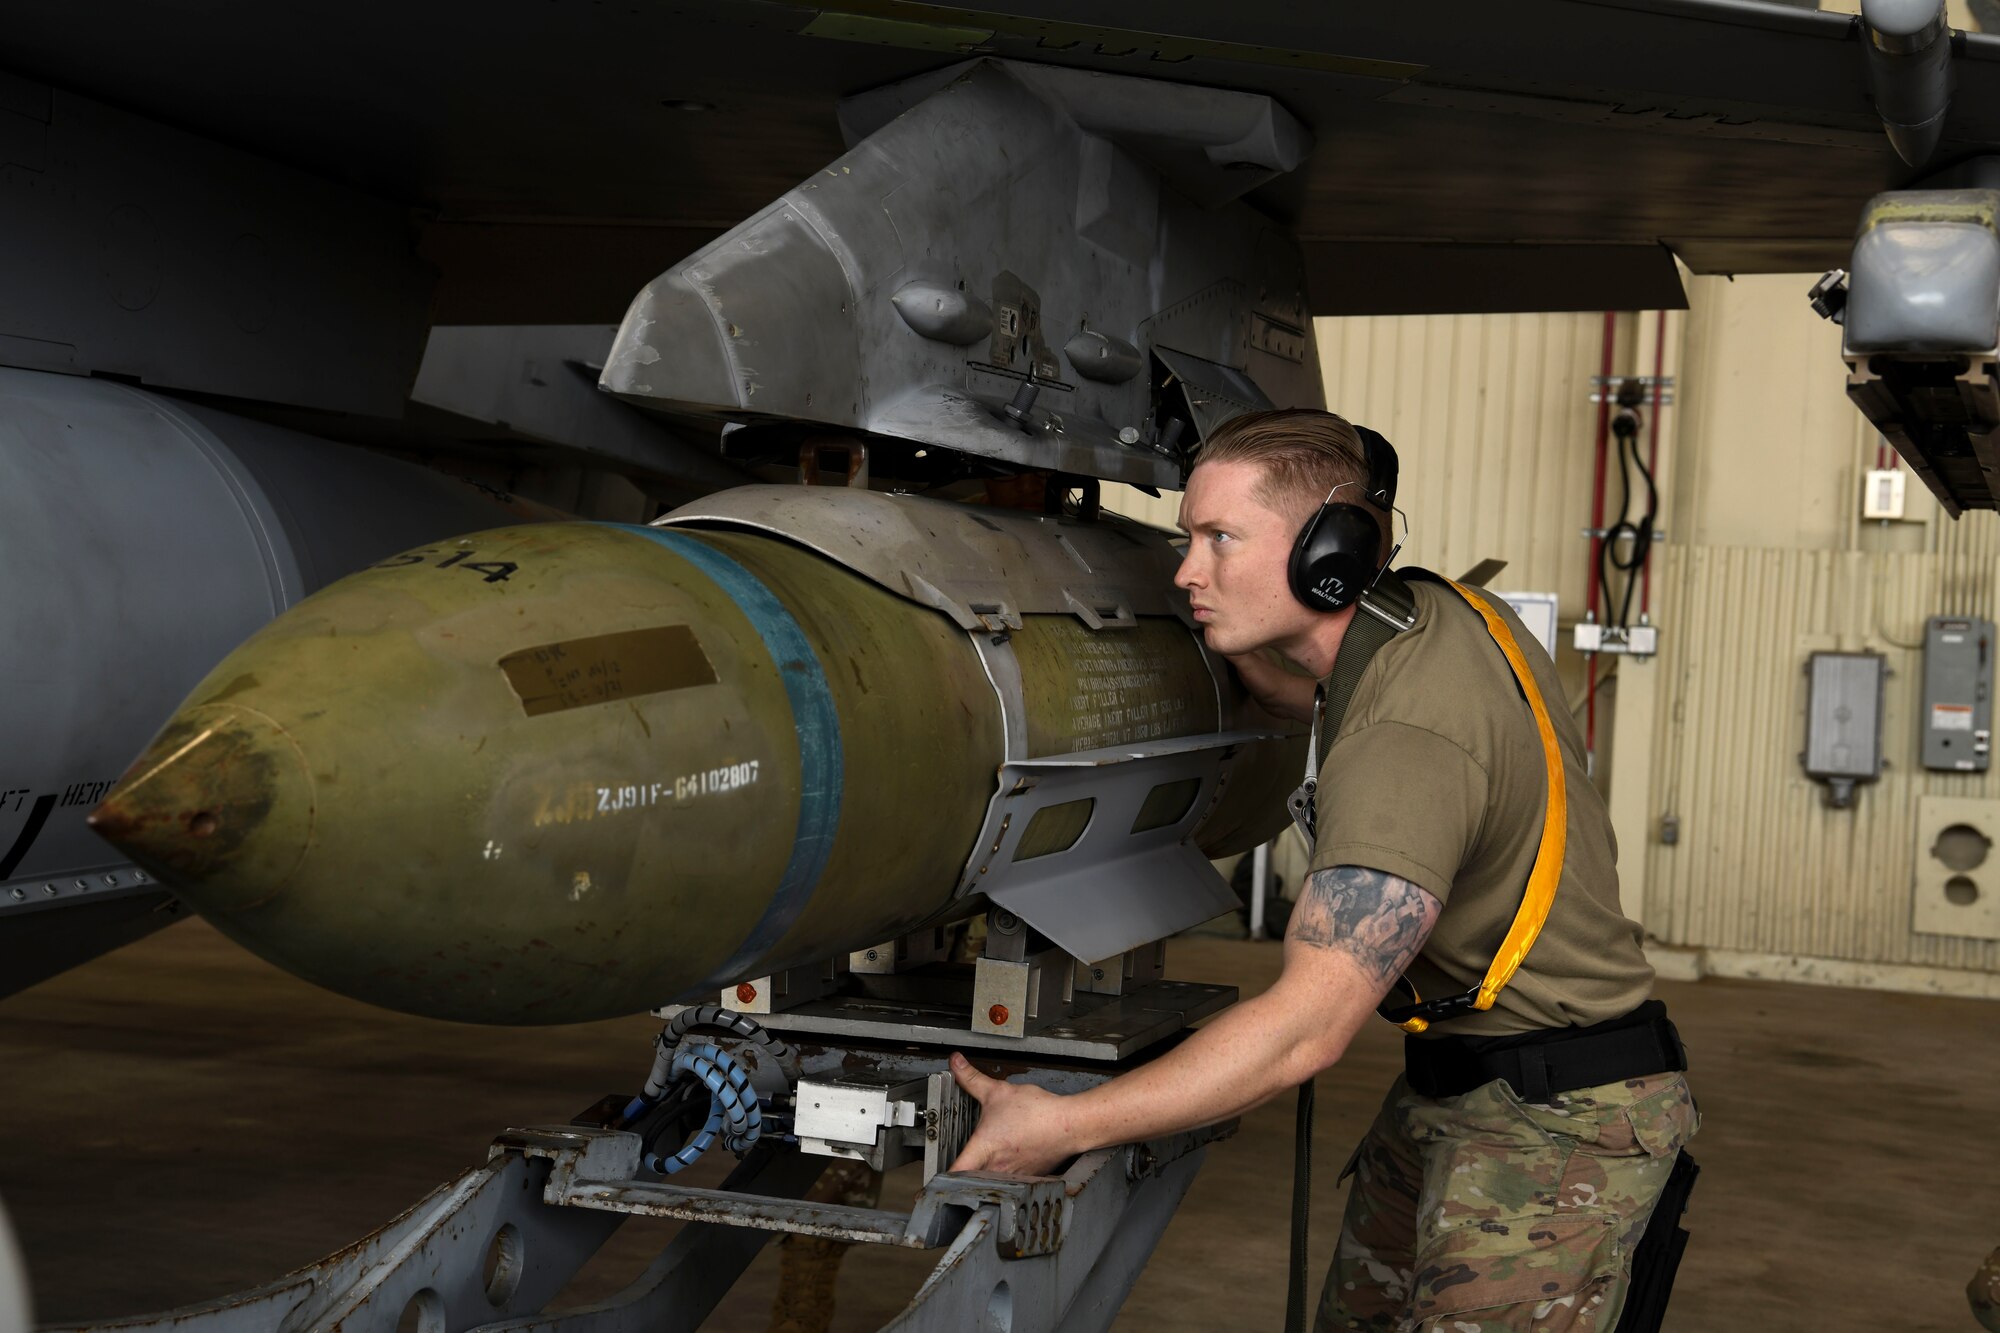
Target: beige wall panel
[(1492, 420), (1773, 441), (1762, 865), (1491, 416), (1968, 549), (1775, 454)]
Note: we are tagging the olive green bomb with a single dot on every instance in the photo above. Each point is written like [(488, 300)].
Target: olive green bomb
[(573, 770)]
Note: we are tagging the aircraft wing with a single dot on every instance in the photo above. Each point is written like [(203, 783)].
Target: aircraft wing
[(1542, 154)]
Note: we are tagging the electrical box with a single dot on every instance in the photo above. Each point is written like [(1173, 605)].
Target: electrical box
[(1640, 640), (1843, 722), (1958, 693), (1882, 495)]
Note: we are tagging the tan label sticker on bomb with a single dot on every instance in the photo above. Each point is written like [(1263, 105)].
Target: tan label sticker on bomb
[(606, 668)]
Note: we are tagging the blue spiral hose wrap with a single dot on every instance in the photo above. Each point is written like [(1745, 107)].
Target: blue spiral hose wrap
[(733, 1110)]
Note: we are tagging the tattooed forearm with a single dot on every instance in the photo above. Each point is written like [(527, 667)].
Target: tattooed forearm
[(1378, 919)]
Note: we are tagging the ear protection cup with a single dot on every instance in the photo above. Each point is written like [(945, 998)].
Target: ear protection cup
[(1380, 457), (1335, 557), (1338, 553)]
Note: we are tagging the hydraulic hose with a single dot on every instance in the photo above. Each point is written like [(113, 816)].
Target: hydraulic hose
[(735, 1110), (734, 1114)]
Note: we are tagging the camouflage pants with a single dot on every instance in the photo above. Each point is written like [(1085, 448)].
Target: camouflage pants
[(1481, 1213)]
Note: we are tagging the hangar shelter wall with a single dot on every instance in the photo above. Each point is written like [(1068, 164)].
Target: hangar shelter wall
[(1729, 855), (1774, 562)]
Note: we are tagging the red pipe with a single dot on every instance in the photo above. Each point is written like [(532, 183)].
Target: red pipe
[(1597, 523), (1603, 438), (1653, 454)]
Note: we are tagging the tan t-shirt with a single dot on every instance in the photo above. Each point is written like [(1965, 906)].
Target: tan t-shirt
[(1437, 775)]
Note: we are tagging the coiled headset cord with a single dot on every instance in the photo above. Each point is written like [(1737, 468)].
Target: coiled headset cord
[(1625, 427)]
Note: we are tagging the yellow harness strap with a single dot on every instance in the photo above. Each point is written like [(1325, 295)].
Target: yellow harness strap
[(1547, 874)]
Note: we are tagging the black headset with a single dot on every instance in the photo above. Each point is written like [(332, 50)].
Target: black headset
[(1339, 551)]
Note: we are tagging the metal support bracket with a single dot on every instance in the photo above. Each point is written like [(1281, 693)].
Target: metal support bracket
[(1125, 973), (917, 949), (1133, 874), (1606, 388), (1031, 1210), (1009, 994), (937, 1009), (488, 1251), (780, 990)]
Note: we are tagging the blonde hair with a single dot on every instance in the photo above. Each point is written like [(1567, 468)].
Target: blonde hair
[(1304, 453)]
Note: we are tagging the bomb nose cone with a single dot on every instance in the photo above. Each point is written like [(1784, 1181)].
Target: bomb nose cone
[(221, 805)]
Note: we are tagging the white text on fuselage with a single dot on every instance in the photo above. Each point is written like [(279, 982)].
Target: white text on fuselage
[(594, 802)]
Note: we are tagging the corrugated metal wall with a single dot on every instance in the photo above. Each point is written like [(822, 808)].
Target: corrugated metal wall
[(1780, 565), (1967, 550), (1492, 420), (1761, 864)]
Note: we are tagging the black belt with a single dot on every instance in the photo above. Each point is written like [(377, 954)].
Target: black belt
[(1537, 1065)]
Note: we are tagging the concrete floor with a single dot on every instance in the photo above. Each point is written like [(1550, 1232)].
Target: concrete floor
[(183, 1120)]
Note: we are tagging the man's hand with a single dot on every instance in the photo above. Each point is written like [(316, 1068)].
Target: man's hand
[(1023, 1130)]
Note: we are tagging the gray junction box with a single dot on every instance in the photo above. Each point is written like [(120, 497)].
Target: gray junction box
[(1958, 693), (1843, 722)]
